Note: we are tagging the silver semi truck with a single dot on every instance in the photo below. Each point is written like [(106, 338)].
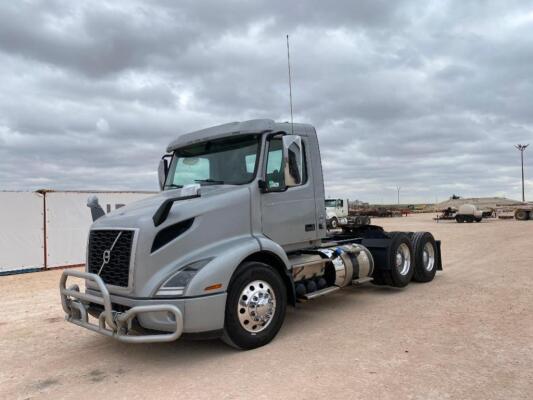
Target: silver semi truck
[(237, 233)]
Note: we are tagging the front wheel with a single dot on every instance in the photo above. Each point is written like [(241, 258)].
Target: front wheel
[(255, 307), (334, 223)]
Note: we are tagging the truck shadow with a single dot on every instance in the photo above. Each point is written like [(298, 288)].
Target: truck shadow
[(187, 352)]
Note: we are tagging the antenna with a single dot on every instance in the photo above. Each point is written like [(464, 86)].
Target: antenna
[(290, 83)]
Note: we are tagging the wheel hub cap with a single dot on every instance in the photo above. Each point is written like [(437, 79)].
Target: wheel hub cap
[(429, 256), (403, 259), (257, 305)]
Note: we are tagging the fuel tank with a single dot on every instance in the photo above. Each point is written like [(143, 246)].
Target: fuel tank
[(331, 266), (347, 263)]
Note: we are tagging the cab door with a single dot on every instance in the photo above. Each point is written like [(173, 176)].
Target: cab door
[(288, 214)]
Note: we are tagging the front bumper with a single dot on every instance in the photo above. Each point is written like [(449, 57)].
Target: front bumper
[(112, 323)]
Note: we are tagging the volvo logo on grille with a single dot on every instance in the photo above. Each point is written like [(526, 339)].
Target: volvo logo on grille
[(106, 255)]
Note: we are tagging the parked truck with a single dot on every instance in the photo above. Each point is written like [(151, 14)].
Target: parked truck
[(338, 216), (237, 233)]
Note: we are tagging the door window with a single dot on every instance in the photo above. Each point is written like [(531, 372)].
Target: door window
[(274, 170)]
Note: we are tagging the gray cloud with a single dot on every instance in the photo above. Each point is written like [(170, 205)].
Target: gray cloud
[(430, 96)]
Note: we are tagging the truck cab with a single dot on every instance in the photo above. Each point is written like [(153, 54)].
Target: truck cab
[(336, 212), (237, 233)]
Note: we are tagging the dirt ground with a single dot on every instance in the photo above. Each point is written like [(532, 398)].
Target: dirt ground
[(466, 335)]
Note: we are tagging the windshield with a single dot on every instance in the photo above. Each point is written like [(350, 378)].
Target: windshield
[(230, 160), (331, 203)]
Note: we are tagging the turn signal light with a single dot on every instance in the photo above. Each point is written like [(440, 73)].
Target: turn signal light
[(213, 287)]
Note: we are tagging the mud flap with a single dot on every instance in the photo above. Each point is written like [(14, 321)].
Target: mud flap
[(439, 256)]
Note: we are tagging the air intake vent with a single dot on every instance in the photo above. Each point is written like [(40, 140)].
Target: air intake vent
[(170, 233), (109, 255)]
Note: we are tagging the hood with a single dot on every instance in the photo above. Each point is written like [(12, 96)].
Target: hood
[(140, 212), (330, 213)]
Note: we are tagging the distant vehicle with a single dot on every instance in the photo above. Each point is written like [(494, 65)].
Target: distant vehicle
[(446, 214), (468, 213), (338, 215)]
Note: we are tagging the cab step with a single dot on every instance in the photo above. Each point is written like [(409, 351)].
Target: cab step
[(360, 281), (321, 292)]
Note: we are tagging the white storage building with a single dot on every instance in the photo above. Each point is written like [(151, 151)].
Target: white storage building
[(48, 229)]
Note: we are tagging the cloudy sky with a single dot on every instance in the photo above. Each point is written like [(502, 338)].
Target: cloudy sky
[(427, 95)]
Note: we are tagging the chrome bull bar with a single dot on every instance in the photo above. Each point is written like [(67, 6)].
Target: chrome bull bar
[(111, 323)]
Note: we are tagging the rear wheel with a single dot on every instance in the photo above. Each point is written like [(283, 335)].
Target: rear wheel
[(425, 252), (459, 219), (255, 307), (400, 266), (521, 215)]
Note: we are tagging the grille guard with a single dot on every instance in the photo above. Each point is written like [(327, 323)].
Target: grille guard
[(110, 323)]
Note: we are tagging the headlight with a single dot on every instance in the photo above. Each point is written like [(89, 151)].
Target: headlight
[(177, 283)]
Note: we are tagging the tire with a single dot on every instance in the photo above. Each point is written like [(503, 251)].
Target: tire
[(425, 257), (470, 219), (334, 223), (459, 219), (478, 219), (254, 280), (521, 215), (397, 275)]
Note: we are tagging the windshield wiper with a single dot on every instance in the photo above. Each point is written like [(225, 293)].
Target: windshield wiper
[(211, 181), (174, 186)]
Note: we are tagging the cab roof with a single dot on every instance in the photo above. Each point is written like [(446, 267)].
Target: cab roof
[(236, 128)]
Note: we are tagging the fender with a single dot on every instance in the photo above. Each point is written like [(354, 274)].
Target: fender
[(221, 268), (268, 245)]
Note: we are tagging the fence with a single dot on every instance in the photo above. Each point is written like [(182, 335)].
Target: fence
[(48, 229)]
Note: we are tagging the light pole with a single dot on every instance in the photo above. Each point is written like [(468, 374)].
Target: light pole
[(398, 189), (521, 148)]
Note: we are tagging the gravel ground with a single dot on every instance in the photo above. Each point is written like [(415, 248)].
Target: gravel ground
[(466, 335)]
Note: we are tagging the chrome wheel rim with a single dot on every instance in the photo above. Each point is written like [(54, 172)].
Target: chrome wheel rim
[(403, 259), (428, 255), (256, 307)]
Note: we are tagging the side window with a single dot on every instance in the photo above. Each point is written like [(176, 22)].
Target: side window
[(274, 169)]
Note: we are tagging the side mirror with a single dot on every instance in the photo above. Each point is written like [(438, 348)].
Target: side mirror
[(292, 160), (162, 171)]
